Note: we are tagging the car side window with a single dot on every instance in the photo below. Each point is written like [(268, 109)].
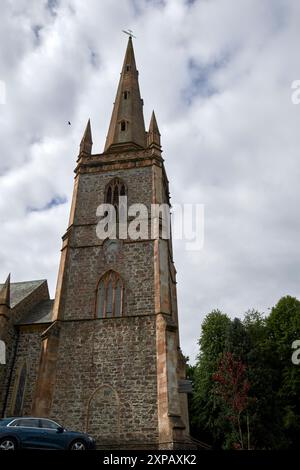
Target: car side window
[(47, 424), (26, 423), (15, 423)]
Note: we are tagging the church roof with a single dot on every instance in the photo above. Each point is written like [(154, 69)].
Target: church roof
[(20, 290), (41, 313)]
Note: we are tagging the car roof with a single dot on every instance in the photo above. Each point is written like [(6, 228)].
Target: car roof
[(25, 417), (12, 418)]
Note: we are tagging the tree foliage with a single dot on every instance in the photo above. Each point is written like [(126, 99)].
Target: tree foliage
[(246, 388), (233, 390)]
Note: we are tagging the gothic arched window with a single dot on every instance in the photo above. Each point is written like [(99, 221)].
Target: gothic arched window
[(114, 190), (20, 391), (110, 294)]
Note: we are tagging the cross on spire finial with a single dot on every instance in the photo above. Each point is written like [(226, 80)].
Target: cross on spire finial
[(129, 32)]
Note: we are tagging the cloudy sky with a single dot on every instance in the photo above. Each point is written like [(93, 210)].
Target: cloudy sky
[(218, 74)]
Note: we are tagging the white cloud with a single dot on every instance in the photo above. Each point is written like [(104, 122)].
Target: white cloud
[(219, 75)]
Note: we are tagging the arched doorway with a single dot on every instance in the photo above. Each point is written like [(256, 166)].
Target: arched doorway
[(103, 415)]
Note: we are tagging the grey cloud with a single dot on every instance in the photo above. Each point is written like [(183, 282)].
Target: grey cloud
[(232, 145)]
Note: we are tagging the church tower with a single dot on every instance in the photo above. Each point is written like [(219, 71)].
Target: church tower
[(111, 363)]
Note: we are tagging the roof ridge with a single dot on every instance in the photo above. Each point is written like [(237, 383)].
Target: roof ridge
[(25, 282)]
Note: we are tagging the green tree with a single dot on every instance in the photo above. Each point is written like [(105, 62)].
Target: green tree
[(238, 341), (283, 329), (208, 420), (264, 346), (264, 412)]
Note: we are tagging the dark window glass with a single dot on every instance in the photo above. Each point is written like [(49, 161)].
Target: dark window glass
[(27, 423), (108, 196), (101, 294), (15, 423), (109, 299), (118, 294), (123, 126), (31, 423), (110, 296), (47, 424), (114, 190), (18, 408), (116, 195)]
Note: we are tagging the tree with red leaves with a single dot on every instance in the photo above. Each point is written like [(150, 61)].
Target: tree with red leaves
[(232, 386)]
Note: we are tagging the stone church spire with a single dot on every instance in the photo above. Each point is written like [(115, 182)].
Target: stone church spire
[(5, 293), (86, 141), (153, 138), (127, 127)]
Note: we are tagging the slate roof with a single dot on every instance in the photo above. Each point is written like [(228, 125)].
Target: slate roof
[(41, 313), (20, 290)]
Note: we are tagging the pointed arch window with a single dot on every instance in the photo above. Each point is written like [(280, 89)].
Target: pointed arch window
[(114, 190), (20, 391), (123, 126), (110, 295)]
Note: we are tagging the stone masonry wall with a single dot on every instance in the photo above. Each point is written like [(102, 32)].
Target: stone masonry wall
[(87, 260), (106, 380), (28, 352), (87, 265), (39, 294), (92, 188)]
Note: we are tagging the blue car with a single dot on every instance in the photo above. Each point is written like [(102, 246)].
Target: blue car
[(40, 433)]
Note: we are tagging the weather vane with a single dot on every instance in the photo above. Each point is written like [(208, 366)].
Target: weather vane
[(129, 32)]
